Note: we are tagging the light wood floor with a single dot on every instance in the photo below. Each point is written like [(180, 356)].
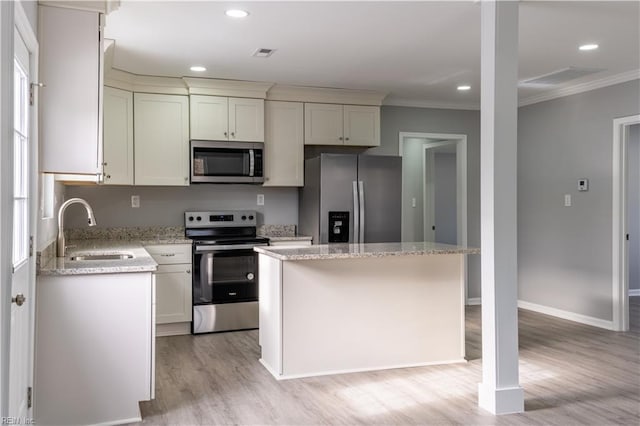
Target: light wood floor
[(572, 374)]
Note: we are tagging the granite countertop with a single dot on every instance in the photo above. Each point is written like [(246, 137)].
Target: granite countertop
[(353, 251), (141, 261)]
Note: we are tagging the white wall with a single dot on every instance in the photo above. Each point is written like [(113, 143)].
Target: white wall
[(564, 253), (633, 202)]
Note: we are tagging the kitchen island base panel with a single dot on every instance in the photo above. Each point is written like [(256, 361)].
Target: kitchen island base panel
[(359, 314)]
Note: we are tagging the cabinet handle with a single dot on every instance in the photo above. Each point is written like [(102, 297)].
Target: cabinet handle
[(104, 164), (225, 134), (340, 138), (167, 254), (188, 271), (186, 179), (108, 176), (233, 134), (346, 139)]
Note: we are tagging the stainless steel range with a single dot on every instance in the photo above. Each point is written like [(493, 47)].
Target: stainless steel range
[(225, 270)]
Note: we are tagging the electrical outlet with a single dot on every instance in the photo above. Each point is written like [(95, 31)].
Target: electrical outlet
[(135, 201), (260, 200)]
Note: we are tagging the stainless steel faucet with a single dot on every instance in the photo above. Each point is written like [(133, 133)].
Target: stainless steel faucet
[(63, 207)]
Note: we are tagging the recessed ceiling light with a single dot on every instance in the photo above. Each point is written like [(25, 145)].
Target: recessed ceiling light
[(236, 13), (464, 87), (197, 68), (591, 46)]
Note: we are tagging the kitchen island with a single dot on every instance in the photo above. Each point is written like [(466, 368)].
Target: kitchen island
[(339, 308)]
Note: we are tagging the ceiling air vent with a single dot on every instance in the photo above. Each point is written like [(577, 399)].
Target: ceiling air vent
[(263, 52), (560, 76)]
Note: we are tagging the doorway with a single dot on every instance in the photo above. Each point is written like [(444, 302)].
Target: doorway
[(625, 216), (423, 199), (633, 225)]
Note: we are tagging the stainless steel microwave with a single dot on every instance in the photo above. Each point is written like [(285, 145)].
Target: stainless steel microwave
[(226, 162)]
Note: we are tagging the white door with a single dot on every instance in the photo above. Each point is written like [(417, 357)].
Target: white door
[(22, 325)]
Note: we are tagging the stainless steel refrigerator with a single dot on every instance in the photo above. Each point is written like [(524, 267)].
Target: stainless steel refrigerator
[(351, 198)]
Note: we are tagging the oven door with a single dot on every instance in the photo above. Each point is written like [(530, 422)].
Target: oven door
[(226, 162), (224, 274)]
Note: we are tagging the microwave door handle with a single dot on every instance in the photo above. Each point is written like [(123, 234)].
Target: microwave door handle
[(252, 162)]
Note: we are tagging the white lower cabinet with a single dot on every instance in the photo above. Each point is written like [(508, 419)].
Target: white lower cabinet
[(173, 288), (94, 348)]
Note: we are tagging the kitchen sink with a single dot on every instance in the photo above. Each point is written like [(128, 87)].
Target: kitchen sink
[(103, 256)]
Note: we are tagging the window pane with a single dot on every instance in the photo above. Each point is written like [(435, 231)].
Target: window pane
[(20, 240)]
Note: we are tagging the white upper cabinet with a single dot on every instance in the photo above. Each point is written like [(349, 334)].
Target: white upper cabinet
[(118, 137), (333, 124), (70, 102), (161, 134), (223, 118), (209, 117), (323, 124), (361, 125), (284, 144)]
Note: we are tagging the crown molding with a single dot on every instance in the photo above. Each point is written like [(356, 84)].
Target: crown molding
[(144, 83), (583, 87), (103, 6), (280, 92), (402, 102), (219, 87)]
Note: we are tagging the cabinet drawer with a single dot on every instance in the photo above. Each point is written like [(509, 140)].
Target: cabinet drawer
[(170, 253), (290, 243)]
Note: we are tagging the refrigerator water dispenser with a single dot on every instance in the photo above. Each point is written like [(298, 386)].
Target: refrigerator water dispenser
[(338, 227)]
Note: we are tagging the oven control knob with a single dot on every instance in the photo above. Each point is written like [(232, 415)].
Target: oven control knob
[(250, 276), (190, 218), (244, 218), (251, 217), (198, 218)]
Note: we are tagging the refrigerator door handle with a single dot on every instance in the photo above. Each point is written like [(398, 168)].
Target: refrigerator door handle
[(356, 214), (361, 202)]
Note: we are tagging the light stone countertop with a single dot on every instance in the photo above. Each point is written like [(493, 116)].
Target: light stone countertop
[(353, 251), (141, 261)]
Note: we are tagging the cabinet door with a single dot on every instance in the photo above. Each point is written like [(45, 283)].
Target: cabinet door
[(118, 137), (323, 124), (284, 144), (209, 117), (70, 104), (161, 134), (361, 125), (173, 293), (246, 120)]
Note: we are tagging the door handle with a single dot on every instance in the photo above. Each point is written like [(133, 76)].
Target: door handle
[(19, 299)]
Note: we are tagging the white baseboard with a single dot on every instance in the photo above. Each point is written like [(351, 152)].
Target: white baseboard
[(571, 316), (634, 292), (473, 301), (173, 329)]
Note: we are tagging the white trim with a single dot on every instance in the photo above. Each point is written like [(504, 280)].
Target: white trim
[(571, 316), (417, 103), (473, 301), (120, 421), (619, 278), (634, 292), (358, 370), (582, 87)]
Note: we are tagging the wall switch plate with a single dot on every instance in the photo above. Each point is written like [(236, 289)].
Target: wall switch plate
[(260, 200), (583, 184), (135, 201), (567, 200), (413, 202)]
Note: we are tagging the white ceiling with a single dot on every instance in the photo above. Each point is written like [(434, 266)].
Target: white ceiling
[(417, 52)]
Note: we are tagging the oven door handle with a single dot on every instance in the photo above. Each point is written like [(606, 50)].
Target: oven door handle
[(227, 247)]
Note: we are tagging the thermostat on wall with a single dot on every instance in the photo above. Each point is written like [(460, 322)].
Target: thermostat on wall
[(583, 184)]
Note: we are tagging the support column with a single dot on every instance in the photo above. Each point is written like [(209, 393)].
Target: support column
[(500, 391)]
